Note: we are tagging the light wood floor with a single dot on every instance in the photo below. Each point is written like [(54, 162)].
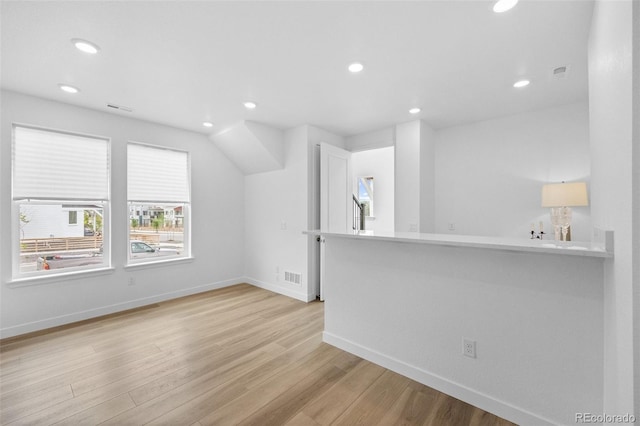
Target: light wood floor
[(238, 355)]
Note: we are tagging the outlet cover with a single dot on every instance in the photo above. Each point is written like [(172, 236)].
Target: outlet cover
[(468, 347)]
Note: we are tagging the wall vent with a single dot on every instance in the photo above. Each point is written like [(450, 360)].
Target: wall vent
[(292, 277)]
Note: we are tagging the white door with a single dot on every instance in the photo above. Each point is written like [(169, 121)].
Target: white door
[(335, 196), (335, 189)]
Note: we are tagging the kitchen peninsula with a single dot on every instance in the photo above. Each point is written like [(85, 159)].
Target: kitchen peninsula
[(533, 311)]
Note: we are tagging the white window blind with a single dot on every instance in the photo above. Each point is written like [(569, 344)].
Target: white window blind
[(157, 174), (49, 165)]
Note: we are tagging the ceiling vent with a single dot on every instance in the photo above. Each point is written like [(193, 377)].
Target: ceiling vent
[(119, 107), (561, 73)]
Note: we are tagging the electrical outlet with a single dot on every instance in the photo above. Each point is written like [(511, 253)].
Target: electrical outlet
[(413, 227), (132, 281), (452, 226), (468, 347)]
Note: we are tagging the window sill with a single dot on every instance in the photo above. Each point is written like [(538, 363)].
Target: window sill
[(62, 276), (156, 263)]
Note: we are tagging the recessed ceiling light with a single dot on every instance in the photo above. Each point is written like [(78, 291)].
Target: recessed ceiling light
[(85, 46), (504, 5), (68, 89), (356, 67), (207, 124), (250, 105), (415, 110), (521, 83)]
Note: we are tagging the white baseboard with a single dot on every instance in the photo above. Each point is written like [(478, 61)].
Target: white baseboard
[(299, 295), (456, 390), (110, 309)]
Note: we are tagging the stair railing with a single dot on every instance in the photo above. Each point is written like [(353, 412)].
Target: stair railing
[(358, 215)]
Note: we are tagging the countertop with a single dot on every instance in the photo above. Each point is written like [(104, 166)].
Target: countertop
[(598, 249)]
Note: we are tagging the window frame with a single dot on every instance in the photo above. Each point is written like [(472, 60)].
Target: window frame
[(18, 276)]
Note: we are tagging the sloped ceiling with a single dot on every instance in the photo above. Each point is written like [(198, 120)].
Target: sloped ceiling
[(253, 147)]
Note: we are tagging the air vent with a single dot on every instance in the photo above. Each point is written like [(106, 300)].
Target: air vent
[(292, 277), (560, 72), (120, 107)]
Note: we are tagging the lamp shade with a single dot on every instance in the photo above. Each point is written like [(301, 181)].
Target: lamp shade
[(565, 194)]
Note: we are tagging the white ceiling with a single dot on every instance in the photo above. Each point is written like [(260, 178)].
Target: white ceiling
[(183, 62)]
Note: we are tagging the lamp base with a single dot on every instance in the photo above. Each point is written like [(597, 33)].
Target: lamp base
[(559, 236), (561, 221)]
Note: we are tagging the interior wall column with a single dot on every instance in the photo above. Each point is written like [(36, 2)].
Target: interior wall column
[(414, 180)]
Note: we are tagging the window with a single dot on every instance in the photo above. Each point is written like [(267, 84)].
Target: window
[(159, 203), (73, 217), (58, 179), (365, 194)]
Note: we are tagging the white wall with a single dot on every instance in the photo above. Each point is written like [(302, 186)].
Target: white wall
[(407, 166), (378, 163), (276, 215), (537, 320), (610, 103), (371, 140), (489, 175), (217, 217), (636, 200), (415, 177), (279, 207), (427, 178)]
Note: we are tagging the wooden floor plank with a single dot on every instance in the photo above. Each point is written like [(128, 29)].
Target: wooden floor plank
[(214, 399), (328, 407), (78, 369), (371, 406), (255, 398), (14, 408), (449, 412), (412, 408), (102, 393), (237, 355), (283, 407), (301, 419), (99, 413)]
